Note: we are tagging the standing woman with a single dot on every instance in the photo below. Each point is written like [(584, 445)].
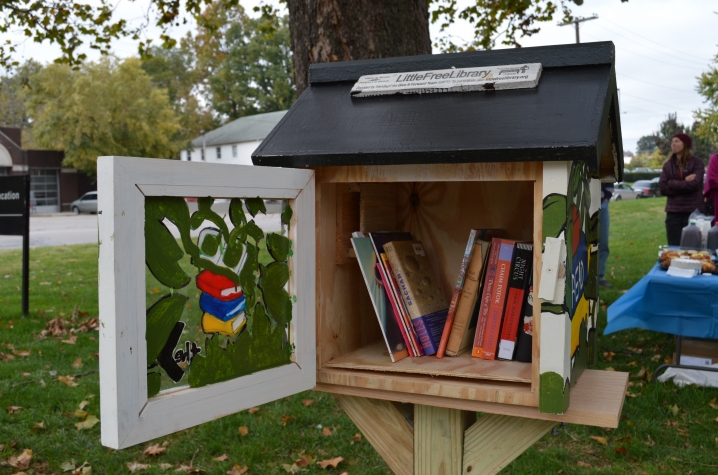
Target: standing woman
[(710, 191), (682, 182)]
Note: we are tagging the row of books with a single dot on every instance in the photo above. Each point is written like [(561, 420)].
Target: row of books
[(490, 312)]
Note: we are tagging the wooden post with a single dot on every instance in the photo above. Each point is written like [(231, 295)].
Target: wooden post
[(439, 439)]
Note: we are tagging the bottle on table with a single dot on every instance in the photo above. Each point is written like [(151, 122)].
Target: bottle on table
[(691, 236), (712, 242)]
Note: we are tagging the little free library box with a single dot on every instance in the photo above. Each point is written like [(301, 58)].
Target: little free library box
[(223, 287)]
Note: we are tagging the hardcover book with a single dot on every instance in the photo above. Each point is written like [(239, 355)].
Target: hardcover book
[(420, 290), (389, 327), (461, 336), (493, 299), (524, 340), (519, 279), (457, 293)]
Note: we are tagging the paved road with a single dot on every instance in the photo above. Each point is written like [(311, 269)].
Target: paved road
[(67, 228)]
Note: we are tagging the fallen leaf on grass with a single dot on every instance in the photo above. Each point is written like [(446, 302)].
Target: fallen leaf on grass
[(671, 423), (88, 423), (221, 458), (640, 375), (620, 450), (83, 405), (14, 409), (80, 414), (39, 426), (583, 464), (307, 402), (285, 419), (27, 375), (21, 353), (716, 419), (134, 466), (71, 340), (77, 363), (237, 470), (22, 461), (69, 380), (609, 355), (188, 469), (326, 432), (165, 466), (2, 447), (6, 357), (599, 439), (290, 468), (631, 394), (331, 462), (68, 466), (243, 430), (713, 403), (155, 449), (253, 410), (357, 437), (155, 290), (674, 409), (650, 442)]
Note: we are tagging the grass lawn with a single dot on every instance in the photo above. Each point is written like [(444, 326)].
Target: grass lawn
[(663, 429)]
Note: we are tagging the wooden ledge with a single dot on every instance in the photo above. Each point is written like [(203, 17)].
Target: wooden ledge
[(596, 400)]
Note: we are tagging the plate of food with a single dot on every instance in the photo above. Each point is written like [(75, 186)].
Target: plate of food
[(707, 264)]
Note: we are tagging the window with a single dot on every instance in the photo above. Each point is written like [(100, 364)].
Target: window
[(44, 187), (234, 151), (4, 171), (219, 153)]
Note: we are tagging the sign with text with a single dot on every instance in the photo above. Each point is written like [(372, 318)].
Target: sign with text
[(13, 204), (490, 78)]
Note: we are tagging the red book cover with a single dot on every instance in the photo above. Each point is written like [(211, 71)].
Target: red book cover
[(408, 325), (395, 310), (485, 303), (498, 300), (518, 286)]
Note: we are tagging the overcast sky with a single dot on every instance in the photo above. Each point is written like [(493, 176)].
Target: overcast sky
[(661, 47)]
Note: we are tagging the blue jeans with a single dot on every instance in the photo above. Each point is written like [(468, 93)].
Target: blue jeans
[(604, 222)]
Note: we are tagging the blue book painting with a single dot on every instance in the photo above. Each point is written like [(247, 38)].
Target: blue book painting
[(367, 258)]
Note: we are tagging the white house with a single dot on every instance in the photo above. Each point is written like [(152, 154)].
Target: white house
[(235, 141)]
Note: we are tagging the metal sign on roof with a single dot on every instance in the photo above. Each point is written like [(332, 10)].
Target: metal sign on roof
[(490, 78)]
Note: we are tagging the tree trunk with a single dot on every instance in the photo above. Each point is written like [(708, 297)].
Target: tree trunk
[(344, 30)]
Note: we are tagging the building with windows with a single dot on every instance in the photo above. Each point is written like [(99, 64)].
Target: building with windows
[(52, 186), (234, 142)]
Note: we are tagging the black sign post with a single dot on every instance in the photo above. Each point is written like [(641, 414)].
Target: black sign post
[(15, 220)]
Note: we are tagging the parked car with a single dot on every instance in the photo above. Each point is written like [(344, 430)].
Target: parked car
[(622, 191), (646, 188), (641, 170), (654, 183), (86, 203)]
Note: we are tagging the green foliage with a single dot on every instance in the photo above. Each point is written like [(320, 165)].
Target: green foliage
[(706, 127), (287, 215), (13, 97), (162, 252), (554, 216), (654, 149), (255, 206), (106, 108), (154, 384), (246, 63), (278, 246), (272, 280), (161, 319)]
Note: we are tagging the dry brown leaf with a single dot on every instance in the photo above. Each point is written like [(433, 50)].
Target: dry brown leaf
[(155, 290), (21, 353), (88, 423), (165, 466), (14, 409), (243, 430), (135, 466), (290, 468), (631, 394), (71, 340), (221, 458), (285, 419), (583, 464), (69, 380), (326, 432), (237, 470), (22, 461), (620, 450), (6, 357), (716, 419), (27, 375), (671, 423), (77, 363), (188, 469), (2, 447), (640, 375), (633, 363), (713, 403), (304, 461), (609, 355), (674, 409), (80, 414), (331, 462), (599, 439), (253, 410), (155, 449), (357, 437), (83, 405), (307, 402), (39, 426)]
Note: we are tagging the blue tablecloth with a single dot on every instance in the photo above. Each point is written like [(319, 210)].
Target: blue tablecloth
[(675, 305)]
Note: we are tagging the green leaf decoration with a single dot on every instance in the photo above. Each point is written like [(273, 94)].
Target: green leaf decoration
[(553, 393), (287, 214), (161, 319), (254, 231), (154, 383), (233, 253), (554, 215), (205, 213), (210, 244), (236, 213), (255, 205), (278, 246), (162, 252), (276, 299), (248, 280)]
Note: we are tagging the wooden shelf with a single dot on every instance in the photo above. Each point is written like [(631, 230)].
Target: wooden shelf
[(375, 357)]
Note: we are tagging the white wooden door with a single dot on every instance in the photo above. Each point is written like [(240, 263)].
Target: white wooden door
[(193, 288)]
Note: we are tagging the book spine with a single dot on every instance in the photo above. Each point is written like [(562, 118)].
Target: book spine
[(403, 312), (457, 293), (395, 309), (518, 283), (524, 341), (486, 299), (424, 330), (498, 302), (467, 301)]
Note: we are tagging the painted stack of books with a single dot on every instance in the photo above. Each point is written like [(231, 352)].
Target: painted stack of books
[(490, 312)]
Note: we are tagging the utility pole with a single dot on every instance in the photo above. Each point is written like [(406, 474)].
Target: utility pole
[(577, 21)]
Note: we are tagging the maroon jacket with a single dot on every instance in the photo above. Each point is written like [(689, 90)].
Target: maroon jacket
[(683, 196)]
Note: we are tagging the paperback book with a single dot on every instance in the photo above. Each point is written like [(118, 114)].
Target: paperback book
[(519, 279)]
